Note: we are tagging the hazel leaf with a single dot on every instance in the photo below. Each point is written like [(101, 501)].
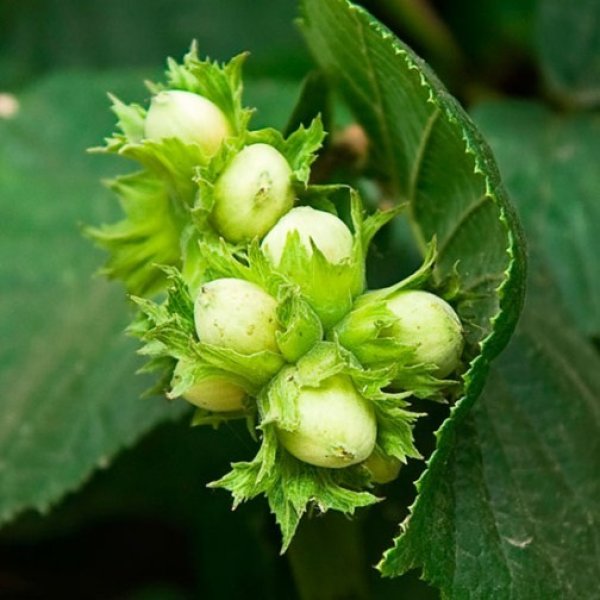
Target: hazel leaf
[(428, 152)]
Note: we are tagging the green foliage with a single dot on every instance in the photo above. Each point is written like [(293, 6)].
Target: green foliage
[(480, 279), (75, 398), (146, 237), (550, 166), (71, 398), (507, 505), (415, 127), (290, 485), (293, 486), (299, 147), (158, 199), (516, 475)]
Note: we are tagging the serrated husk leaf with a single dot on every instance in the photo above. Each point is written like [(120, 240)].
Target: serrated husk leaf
[(301, 328), (291, 486), (299, 148), (146, 237)]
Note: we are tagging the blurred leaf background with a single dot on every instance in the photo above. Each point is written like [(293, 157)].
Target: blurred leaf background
[(147, 527)]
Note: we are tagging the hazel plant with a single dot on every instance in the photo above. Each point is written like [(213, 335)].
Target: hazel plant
[(252, 301)]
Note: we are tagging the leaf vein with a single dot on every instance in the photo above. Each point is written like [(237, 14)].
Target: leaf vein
[(464, 217), (421, 149)]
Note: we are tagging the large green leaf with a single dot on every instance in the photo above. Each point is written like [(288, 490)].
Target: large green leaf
[(568, 44), (522, 473), (71, 398), (513, 512), (431, 155), (550, 164)]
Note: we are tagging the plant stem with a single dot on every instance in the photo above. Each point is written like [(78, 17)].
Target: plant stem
[(327, 560)]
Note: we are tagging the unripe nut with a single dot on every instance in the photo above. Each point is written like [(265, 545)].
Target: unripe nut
[(430, 325), (328, 233), (189, 117), (382, 469), (236, 314), (216, 394), (337, 426), (252, 193)]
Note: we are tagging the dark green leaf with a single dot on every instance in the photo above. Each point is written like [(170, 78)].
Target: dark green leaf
[(500, 537), (509, 507), (550, 164), (431, 155), (70, 397)]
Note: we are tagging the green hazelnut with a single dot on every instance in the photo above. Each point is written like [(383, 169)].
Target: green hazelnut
[(236, 314), (382, 468), (189, 117), (252, 193), (336, 428), (216, 394), (428, 324), (328, 233)]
